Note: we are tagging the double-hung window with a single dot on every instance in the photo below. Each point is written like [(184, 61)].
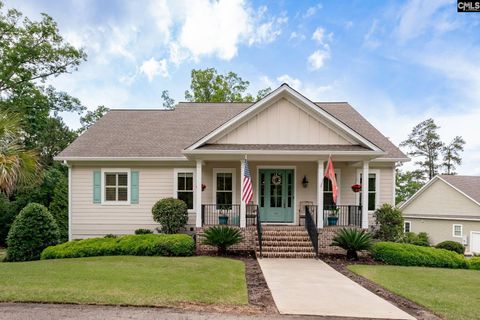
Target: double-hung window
[(407, 226), (328, 192), (184, 186), (372, 189), (115, 186), (224, 187), (458, 230)]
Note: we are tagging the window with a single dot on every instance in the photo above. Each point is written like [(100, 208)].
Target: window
[(372, 190), (407, 226), (458, 230), (184, 189), (224, 187), (328, 193), (115, 186)]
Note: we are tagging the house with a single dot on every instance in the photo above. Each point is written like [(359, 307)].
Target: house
[(129, 159), (447, 208)]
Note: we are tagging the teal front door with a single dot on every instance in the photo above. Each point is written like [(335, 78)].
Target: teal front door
[(276, 195)]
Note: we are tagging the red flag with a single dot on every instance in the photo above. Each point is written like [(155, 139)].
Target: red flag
[(330, 174)]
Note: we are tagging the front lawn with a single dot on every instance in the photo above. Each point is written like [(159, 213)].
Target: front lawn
[(153, 281), (454, 294)]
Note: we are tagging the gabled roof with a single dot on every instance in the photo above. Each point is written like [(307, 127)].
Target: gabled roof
[(469, 186), (165, 134)]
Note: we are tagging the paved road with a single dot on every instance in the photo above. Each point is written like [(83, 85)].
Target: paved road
[(308, 286), (38, 311)]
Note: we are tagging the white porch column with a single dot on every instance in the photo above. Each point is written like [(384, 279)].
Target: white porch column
[(243, 205), (198, 194), (320, 174), (365, 194)]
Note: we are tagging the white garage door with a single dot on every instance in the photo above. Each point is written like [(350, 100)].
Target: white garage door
[(475, 241)]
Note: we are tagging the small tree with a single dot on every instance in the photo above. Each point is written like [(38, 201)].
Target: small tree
[(352, 240), (33, 230), (171, 214), (389, 221), (222, 237), (59, 208)]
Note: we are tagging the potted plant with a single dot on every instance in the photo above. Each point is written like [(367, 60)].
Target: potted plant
[(333, 217), (356, 188), (222, 217)]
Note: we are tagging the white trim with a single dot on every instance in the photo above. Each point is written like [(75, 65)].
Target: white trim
[(294, 168), (377, 187), (176, 171), (286, 152), (319, 191), (411, 216), (461, 230), (233, 171), (392, 160), (282, 91), (422, 189), (69, 202), (394, 187), (470, 241), (409, 226), (102, 185), (120, 159)]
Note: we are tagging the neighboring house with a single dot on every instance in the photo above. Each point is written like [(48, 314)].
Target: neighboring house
[(130, 159), (447, 208)]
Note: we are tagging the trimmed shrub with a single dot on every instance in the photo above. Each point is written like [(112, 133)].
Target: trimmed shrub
[(222, 237), (389, 223), (143, 231), (352, 240), (402, 254), (420, 239), (451, 246), (131, 245), (474, 263), (171, 214), (33, 230), (110, 235)]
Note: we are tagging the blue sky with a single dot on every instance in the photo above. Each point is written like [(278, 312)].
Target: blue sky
[(396, 62)]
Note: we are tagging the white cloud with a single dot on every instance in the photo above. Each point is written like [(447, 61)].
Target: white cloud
[(311, 11), (265, 32), (296, 36), (369, 40), (321, 36), (292, 82), (152, 68), (417, 16), (317, 59)]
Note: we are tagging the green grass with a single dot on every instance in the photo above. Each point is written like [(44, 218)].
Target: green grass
[(451, 293), (153, 281)]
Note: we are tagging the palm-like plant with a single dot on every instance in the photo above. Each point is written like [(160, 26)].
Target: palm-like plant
[(222, 237), (352, 240), (18, 166)]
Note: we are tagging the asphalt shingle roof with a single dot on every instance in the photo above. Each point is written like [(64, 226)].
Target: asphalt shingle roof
[(470, 185), (165, 133)]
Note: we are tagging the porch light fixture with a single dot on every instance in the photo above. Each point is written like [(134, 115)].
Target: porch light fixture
[(356, 188), (305, 181)]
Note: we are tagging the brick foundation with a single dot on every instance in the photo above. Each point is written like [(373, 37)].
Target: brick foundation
[(247, 244), (325, 237)]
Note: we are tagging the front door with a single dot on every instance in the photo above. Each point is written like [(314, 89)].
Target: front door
[(276, 195)]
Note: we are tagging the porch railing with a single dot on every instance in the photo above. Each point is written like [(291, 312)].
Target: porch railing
[(215, 214), (311, 226), (342, 215)]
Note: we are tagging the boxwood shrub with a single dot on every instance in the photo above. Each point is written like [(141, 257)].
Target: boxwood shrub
[(474, 263), (411, 255), (135, 245), (452, 246)]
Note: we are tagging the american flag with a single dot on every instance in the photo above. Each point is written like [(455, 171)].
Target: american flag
[(330, 174), (247, 190)]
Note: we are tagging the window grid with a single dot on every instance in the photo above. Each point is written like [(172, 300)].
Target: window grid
[(116, 186), (458, 230), (185, 188)]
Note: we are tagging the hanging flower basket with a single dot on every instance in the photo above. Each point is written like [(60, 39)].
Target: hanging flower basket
[(204, 187), (357, 188)]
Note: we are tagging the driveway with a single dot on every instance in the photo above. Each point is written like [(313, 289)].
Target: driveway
[(311, 287)]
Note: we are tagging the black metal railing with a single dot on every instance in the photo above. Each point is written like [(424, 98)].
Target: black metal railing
[(215, 214), (259, 233), (342, 215), (252, 213), (311, 226)]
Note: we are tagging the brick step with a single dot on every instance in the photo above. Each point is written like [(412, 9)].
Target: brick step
[(286, 243), (285, 238), (285, 233), (283, 228), (291, 255), (286, 249)]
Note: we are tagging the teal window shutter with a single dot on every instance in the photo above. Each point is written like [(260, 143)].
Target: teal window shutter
[(134, 187), (97, 188)]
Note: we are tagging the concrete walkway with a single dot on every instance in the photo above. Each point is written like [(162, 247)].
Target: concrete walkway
[(311, 287)]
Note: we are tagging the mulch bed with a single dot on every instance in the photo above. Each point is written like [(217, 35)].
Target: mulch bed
[(339, 263)]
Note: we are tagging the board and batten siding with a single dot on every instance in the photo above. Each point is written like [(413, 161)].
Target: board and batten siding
[(95, 219), (441, 199), (269, 127)]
